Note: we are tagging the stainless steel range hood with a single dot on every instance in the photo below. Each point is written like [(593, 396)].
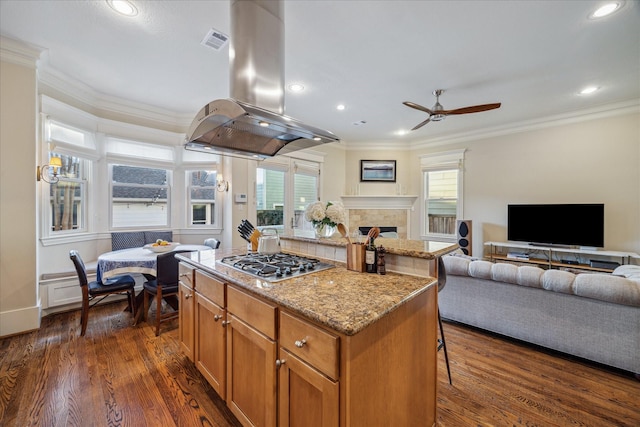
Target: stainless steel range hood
[(252, 124)]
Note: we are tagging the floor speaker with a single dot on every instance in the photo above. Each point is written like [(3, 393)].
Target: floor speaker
[(463, 234)]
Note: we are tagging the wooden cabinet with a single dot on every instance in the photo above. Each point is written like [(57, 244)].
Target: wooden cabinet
[(251, 359), (308, 391), (275, 367), (210, 331), (186, 301)]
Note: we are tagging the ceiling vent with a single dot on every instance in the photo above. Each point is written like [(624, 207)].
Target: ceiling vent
[(215, 39)]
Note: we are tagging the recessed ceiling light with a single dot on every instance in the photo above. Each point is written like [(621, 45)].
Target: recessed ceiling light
[(606, 9), (340, 107), (263, 124), (401, 132), (296, 87), (589, 90), (123, 7)]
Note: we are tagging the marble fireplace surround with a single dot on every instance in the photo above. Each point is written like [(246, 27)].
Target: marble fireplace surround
[(380, 211)]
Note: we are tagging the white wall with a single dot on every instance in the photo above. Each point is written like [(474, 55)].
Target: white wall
[(19, 302), (594, 161)]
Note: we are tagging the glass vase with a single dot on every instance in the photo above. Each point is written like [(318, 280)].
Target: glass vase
[(324, 230)]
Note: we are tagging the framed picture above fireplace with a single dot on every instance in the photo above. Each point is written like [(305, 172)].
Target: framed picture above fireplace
[(377, 170)]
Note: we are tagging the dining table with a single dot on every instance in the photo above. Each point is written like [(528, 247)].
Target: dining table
[(135, 260)]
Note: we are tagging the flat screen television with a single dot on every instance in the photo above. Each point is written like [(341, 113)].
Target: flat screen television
[(557, 224)]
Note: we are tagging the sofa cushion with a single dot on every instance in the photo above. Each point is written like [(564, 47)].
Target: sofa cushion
[(503, 272), (458, 266), (480, 269), (606, 287), (530, 276), (558, 281), (629, 271)]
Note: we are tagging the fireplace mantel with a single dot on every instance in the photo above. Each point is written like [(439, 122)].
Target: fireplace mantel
[(378, 202)]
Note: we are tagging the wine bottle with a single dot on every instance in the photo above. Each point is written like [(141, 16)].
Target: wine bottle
[(382, 269), (371, 257)]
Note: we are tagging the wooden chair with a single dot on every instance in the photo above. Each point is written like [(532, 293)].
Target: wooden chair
[(442, 344), (212, 243), (117, 285), (165, 286)]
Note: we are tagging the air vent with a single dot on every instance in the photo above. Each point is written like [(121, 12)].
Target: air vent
[(215, 39)]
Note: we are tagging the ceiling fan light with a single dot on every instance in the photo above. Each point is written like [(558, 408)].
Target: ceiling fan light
[(606, 10), (438, 117)]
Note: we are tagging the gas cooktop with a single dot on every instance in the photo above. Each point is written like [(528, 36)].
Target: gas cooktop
[(275, 267)]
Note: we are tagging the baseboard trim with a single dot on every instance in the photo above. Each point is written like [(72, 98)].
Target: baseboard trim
[(19, 321)]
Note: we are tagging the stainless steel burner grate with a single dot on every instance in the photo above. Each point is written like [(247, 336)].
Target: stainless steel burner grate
[(275, 267)]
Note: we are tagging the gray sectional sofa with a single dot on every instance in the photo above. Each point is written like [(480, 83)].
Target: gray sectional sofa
[(592, 316)]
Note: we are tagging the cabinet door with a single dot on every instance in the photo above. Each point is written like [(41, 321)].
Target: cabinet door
[(186, 329), (306, 397), (210, 343), (251, 374)]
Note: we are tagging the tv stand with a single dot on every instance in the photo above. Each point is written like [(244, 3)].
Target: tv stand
[(549, 256)]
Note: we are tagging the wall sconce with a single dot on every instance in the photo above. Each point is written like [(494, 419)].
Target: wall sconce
[(49, 173), (221, 184)]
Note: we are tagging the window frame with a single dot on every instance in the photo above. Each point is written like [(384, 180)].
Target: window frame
[(217, 205), (85, 150), (443, 161), (150, 165)]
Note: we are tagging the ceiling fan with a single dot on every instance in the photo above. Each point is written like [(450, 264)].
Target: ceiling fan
[(438, 113)]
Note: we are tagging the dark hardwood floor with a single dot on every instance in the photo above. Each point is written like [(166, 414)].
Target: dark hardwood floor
[(122, 375)]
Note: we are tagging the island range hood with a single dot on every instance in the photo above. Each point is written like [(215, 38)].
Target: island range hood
[(252, 124)]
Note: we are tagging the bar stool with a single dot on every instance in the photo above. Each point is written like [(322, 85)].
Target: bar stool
[(442, 344)]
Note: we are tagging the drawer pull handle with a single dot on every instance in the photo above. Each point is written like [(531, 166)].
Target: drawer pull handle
[(300, 343), (280, 362), (184, 274), (217, 317), (187, 296)]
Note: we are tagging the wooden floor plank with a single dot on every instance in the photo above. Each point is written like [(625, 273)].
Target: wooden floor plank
[(123, 375)]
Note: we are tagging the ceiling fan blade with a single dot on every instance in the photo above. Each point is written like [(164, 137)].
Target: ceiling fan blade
[(422, 124), (417, 107), (474, 109)]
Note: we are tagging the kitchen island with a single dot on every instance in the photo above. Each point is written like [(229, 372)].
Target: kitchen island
[(330, 348)]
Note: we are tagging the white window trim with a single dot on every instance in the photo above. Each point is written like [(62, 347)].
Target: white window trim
[(446, 160), (217, 224), (169, 186), (87, 154)]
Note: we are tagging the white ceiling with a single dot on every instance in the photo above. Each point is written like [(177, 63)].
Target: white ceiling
[(533, 56)]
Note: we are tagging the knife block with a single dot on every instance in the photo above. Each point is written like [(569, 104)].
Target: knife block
[(355, 257)]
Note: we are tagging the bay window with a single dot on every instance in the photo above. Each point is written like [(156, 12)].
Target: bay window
[(139, 196), (202, 189)]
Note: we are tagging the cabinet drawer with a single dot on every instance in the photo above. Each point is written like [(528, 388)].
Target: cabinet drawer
[(210, 287), (257, 313), (310, 343), (185, 274)]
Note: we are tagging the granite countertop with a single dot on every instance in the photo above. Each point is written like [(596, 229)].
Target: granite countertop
[(342, 300), (412, 248)]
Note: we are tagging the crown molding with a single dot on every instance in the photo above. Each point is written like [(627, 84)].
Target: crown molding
[(599, 112), (19, 53), (104, 105)]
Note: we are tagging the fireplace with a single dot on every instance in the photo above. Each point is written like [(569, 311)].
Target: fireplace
[(365, 230), (390, 212)]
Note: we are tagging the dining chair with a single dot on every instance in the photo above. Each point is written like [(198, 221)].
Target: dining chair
[(212, 243), (442, 344), (116, 285), (164, 285)]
